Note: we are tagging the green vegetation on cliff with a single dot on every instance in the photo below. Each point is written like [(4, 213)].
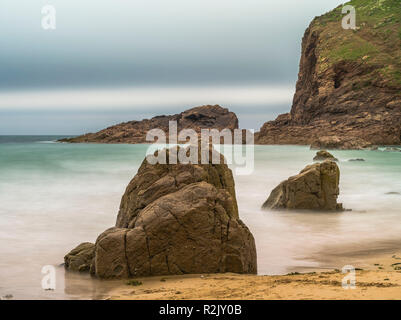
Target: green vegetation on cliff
[(348, 93), (376, 41)]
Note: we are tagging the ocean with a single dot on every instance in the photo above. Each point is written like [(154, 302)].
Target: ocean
[(54, 196)]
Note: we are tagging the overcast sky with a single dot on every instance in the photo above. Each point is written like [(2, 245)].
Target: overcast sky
[(118, 60)]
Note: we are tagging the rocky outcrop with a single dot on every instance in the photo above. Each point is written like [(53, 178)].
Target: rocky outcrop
[(203, 117), (349, 84), (176, 219), (314, 188), (323, 155), (341, 143), (81, 258)]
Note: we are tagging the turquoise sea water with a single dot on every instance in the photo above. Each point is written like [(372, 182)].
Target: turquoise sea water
[(54, 196)]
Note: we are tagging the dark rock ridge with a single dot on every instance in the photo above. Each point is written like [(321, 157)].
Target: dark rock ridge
[(342, 143), (314, 188), (349, 82), (203, 117), (173, 219)]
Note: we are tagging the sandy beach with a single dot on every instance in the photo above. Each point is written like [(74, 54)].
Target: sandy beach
[(200, 150), (379, 279)]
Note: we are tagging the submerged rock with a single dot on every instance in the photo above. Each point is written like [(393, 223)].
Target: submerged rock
[(314, 188), (176, 219), (324, 155), (358, 159)]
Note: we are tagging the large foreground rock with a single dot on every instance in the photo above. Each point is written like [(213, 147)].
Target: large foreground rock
[(314, 188), (176, 219)]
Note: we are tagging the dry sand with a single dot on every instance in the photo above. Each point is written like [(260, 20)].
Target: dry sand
[(380, 279)]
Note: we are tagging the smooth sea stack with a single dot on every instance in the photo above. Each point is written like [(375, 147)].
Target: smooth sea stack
[(174, 219), (314, 188), (349, 83), (203, 117)]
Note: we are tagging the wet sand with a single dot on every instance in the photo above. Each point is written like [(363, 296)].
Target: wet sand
[(379, 279)]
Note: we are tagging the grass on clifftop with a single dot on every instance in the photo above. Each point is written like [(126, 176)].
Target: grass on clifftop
[(376, 40)]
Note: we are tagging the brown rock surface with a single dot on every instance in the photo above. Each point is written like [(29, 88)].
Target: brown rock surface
[(314, 188), (203, 117), (176, 219), (343, 143), (323, 155), (349, 84), (80, 258)]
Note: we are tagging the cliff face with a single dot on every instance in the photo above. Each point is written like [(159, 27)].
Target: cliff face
[(349, 82), (212, 117)]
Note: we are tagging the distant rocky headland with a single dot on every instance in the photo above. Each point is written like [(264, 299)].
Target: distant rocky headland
[(203, 117), (349, 82), (348, 93)]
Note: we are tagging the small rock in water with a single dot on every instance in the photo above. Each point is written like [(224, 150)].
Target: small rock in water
[(393, 193), (314, 188), (7, 297), (358, 159)]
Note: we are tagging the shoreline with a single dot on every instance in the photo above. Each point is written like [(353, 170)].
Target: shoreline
[(379, 279)]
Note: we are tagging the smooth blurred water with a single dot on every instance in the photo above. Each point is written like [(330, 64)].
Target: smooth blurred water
[(296, 241), (54, 196)]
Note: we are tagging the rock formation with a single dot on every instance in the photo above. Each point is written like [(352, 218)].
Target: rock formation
[(80, 258), (341, 143), (174, 219), (203, 117), (324, 155), (314, 188), (349, 82)]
